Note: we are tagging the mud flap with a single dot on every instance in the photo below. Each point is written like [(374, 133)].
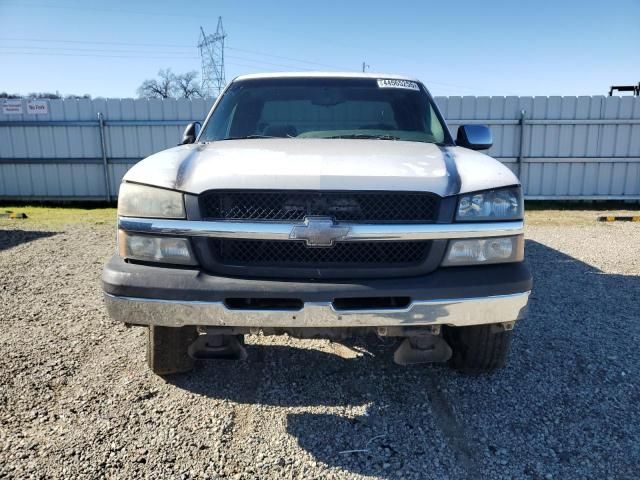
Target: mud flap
[(225, 347), (422, 349)]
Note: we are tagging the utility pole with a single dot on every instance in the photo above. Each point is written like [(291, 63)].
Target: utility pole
[(365, 66), (212, 58)]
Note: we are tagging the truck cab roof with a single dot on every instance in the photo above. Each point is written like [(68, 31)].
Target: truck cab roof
[(255, 76)]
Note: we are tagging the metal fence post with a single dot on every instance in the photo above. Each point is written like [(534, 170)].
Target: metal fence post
[(521, 122), (105, 165)]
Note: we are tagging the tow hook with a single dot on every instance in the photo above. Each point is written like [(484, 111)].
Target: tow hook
[(502, 327), (422, 349), (225, 347)]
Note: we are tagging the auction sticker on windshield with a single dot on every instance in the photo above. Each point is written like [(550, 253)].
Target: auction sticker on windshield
[(395, 83)]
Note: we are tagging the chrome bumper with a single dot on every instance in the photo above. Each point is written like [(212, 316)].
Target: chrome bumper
[(457, 312)]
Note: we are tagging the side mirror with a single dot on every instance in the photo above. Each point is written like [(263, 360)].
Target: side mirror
[(475, 137), (190, 133)]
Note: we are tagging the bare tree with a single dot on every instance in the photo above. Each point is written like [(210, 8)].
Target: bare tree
[(49, 95), (72, 96), (162, 87), (187, 86), (170, 85)]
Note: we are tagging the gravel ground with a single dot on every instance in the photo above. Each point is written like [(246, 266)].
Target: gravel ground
[(77, 401)]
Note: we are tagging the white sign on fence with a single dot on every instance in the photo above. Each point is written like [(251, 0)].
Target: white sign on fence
[(37, 107), (12, 107)]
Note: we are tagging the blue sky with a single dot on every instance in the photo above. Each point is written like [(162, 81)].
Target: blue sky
[(561, 47)]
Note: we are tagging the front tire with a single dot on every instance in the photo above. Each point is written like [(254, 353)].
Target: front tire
[(479, 348), (167, 349)]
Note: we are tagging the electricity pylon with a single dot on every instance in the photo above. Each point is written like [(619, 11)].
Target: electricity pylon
[(212, 57)]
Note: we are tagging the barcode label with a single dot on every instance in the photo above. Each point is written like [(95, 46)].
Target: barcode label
[(393, 83)]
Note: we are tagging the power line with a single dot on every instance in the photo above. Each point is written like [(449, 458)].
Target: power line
[(97, 55), (139, 54), (252, 52), (294, 67), (151, 12), (177, 55), (239, 64), (98, 9), (59, 54), (98, 50), (286, 58), (49, 40), (258, 68), (254, 64), (130, 54)]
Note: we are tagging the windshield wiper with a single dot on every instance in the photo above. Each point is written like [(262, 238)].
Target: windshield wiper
[(366, 136), (250, 137)]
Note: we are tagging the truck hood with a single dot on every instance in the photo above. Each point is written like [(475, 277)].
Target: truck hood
[(321, 164)]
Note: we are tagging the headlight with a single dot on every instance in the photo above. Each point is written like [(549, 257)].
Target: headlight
[(502, 204), (481, 251), (142, 201), (155, 249)]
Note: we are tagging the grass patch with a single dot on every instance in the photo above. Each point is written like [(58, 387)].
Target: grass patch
[(59, 216), (572, 217)]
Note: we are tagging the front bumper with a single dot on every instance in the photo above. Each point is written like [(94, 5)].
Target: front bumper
[(462, 296), (457, 312)]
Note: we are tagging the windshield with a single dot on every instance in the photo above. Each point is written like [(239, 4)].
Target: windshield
[(359, 108)]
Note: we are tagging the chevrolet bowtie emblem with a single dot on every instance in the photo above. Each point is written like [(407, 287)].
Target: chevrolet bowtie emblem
[(318, 232)]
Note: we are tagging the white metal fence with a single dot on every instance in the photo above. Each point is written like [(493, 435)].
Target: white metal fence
[(561, 147)]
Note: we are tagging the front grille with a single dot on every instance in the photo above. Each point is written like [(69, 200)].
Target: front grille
[(378, 207), (297, 254)]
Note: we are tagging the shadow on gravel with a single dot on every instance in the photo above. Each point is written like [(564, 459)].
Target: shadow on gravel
[(287, 376), (566, 405), (13, 238)]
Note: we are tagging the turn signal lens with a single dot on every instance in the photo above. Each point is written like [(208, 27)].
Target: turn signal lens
[(155, 249), (484, 251)]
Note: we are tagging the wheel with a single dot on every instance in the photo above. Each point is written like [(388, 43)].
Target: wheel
[(479, 348), (167, 349)]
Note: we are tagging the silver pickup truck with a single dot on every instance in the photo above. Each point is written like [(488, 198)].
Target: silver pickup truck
[(322, 205)]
